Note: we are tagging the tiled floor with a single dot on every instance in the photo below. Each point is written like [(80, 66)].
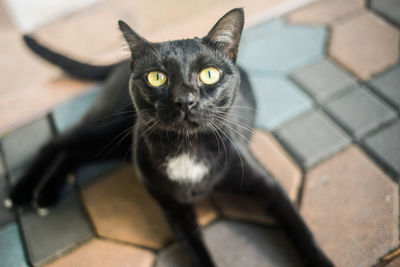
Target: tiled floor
[(327, 82)]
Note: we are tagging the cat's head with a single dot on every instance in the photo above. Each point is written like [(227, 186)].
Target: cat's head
[(186, 85)]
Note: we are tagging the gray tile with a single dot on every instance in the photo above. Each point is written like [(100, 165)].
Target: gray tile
[(21, 145), (312, 138), (285, 50), (360, 111), (6, 216), (324, 79), (61, 230), (278, 100), (388, 85), (67, 114), (234, 244), (11, 249), (385, 144), (389, 8)]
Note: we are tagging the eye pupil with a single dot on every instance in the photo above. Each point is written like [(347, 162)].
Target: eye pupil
[(210, 75), (156, 78)]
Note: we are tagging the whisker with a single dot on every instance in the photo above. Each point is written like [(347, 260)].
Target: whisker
[(237, 151)]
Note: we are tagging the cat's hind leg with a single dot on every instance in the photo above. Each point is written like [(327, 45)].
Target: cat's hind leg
[(247, 176)]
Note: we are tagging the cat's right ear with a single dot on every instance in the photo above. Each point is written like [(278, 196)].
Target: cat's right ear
[(136, 43)]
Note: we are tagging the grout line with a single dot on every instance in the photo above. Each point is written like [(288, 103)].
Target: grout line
[(382, 15), (131, 244), (301, 190)]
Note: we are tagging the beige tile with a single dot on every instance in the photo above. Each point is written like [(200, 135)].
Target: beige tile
[(324, 11), (205, 212), (276, 160), (121, 208), (352, 207), (365, 44), (101, 253)]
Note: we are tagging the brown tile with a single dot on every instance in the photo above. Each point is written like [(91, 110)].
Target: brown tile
[(275, 159), (324, 12), (32, 102), (205, 212), (352, 207), (242, 208), (365, 44), (122, 209), (101, 253)]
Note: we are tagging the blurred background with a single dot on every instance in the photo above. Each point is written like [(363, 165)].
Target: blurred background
[(326, 76)]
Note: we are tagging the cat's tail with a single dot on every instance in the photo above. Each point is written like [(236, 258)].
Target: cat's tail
[(72, 67)]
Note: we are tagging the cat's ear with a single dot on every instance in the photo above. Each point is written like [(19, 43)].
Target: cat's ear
[(135, 42), (227, 31)]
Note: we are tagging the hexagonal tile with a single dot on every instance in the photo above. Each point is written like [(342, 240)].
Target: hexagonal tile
[(278, 100), (388, 86), (387, 8), (276, 160), (68, 113), (360, 111), (312, 138), (324, 79), (346, 201), (252, 34), (122, 209), (238, 244), (385, 145), (61, 230), (283, 50), (325, 12), (11, 248), (365, 44), (21, 145), (101, 253)]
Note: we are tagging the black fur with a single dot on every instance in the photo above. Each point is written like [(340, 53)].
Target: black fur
[(213, 129)]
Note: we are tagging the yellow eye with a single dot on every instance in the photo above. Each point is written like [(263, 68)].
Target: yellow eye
[(156, 78), (210, 75)]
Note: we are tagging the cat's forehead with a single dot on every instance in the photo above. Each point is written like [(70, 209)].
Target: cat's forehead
[(182, 50)]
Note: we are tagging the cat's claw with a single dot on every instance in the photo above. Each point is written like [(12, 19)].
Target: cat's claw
[(8, 203), (42, 212)]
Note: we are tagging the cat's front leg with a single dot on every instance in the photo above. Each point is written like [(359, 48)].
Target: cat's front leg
[(183, 223), (45, 176), (257, 182)]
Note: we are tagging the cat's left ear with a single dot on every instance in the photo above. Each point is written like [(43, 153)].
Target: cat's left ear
[(136, 43), (227, 31)]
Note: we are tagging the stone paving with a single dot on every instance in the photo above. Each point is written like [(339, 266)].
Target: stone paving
[(326, 77)]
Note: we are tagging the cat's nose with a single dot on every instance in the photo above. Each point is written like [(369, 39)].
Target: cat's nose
[(185, 102)]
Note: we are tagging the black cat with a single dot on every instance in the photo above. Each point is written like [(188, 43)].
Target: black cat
[(193, 110)]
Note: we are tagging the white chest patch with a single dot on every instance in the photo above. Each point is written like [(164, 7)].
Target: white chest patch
[(184, 168)]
